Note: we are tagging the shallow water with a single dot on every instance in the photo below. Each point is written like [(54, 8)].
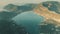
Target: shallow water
[(29, 20)]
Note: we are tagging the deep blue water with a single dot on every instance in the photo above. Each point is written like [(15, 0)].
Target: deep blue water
[(30, 20)]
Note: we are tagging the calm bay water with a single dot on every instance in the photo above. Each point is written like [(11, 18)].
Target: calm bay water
[(30, 21)]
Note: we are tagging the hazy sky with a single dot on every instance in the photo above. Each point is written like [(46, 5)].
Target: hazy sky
[(4, 2)]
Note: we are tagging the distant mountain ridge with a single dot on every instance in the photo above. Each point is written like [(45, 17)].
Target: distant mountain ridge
[(13, 10)]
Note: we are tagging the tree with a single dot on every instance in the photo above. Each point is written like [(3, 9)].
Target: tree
[(47, 27), (10, 27)]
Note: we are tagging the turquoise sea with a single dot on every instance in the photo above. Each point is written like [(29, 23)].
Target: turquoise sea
[(30, 21)]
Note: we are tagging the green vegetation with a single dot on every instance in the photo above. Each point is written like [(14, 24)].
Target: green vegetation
[(9, 27)]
